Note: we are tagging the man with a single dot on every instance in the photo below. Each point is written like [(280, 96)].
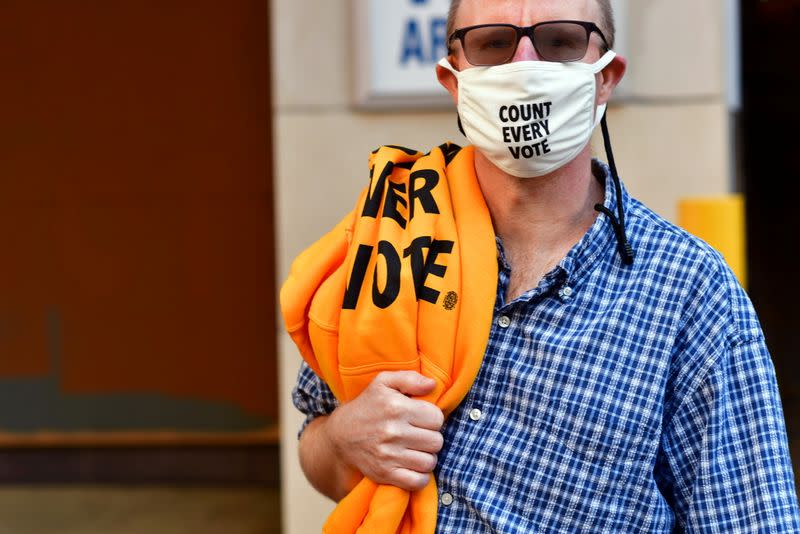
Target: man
[(626, 385)]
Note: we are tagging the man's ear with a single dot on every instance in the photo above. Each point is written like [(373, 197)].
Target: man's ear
[(609, 78), (448, 80)]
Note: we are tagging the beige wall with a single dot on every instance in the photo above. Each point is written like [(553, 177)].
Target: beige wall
[(669, 134)]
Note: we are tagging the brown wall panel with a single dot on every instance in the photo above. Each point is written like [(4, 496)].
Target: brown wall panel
[(136, 226)]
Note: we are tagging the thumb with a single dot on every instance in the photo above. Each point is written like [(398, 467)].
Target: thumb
[(407, 382)]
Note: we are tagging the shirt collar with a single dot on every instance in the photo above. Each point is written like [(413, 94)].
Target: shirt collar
[(598, 240)]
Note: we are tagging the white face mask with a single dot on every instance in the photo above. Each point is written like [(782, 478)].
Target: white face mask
[(529, 118)]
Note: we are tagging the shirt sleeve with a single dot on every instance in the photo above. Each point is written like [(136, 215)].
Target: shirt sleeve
[(724, 463), (312, 396)]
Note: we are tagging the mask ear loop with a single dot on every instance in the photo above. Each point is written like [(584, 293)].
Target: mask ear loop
[(618, 222)]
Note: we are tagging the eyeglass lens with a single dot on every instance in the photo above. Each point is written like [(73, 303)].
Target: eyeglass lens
[(557, 41)]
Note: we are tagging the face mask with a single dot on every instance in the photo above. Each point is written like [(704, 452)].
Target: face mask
[(529, 118)]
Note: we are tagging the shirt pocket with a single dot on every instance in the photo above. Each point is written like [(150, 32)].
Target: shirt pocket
[(601, 416)]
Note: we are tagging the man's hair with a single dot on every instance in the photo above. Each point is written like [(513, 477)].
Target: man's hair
[(606, 21)]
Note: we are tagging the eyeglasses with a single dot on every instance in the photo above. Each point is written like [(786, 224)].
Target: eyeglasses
[(555, 40)]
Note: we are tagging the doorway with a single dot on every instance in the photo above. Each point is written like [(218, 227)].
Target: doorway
[(137, 326), (769, 143)]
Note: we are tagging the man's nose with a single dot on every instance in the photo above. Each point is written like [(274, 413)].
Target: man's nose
[(525, 50)]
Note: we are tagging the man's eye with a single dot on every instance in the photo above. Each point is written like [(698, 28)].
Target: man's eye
[(562, 43), (495, 43)]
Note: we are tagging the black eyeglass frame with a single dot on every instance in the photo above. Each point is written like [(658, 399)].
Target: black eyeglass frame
[(590, 28)]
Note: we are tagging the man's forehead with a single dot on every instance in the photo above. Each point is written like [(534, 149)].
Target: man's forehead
[(525, 12)]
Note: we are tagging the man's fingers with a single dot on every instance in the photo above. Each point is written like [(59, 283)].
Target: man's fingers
[(418, 439), (407, 382), (421, 462), (408, 479), (425, 415)]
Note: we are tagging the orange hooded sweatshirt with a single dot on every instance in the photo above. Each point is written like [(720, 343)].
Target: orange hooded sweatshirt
[(406, 281)]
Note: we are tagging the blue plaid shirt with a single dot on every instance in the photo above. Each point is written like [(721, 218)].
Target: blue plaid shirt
[(617, 399)]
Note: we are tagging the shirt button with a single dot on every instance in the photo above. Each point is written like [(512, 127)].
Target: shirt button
[(566, 292), (504, 321), (447, 499), (475, 414)]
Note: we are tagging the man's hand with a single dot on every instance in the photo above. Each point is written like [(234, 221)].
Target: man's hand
[(387, 436), (382, 434)]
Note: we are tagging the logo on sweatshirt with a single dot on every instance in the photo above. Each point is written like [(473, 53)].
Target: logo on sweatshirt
[(450, 300)]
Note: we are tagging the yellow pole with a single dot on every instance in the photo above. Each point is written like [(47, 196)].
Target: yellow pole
[(720, 222)]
